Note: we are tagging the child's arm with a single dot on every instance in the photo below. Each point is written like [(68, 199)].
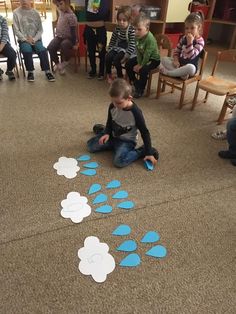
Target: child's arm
[(108, 128), (39, 33), (131, 44), (17, 27), (192, 51), (150, 46), (113, 39), (72, 21), (4, 34)]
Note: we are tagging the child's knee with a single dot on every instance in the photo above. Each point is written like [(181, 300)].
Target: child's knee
[(119, 162)]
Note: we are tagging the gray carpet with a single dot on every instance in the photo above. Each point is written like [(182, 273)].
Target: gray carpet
[(189, 199)]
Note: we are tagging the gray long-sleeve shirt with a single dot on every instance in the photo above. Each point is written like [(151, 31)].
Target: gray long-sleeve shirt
[(4, 37), (27, 23)]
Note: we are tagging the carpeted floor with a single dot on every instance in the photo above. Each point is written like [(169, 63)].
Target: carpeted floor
[(189, 199)]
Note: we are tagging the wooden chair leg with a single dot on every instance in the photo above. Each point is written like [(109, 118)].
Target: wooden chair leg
[(222, 113), (206, 96), (195, 96), (159, 87), (163, 86), (181, 101), (149, 85), (17, 70)]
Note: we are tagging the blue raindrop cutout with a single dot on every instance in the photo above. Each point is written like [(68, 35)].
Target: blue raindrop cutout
[(127, 246), (150, 237), (157, 251), (94, 188), (100, 198), (113, 184), (120, 194), (126, 205), (105, 209), (83, 158), (131, 260), (91, 165), (89, 172), (122, 230)]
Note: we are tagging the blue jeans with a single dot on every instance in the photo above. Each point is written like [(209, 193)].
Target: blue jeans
[(231, 135), (27, 50), (125, 152)]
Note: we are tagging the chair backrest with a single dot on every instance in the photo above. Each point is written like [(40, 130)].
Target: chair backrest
[(203, 58), (164, 44), (226, 56)]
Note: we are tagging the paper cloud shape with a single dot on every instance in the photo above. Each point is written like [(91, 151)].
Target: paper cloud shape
[(67, 167), (75, 207), (95, 259)]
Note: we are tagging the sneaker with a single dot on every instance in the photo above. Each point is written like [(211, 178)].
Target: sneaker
[(92, 75), (30, 77), (50, 77), (138, 93), (98, 128), (11, 75), (60, 69), (219, 135), (226, 154), (100, 77), (1, 73)]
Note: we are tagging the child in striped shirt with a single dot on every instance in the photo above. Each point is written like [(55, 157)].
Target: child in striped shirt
[(122, 43), (184, 63)]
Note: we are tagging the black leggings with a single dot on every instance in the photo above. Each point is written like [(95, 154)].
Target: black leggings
[(114, 58)]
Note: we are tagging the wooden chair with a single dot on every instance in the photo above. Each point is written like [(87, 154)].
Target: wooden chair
[(217, 85), (165, 49), (178, 83), (14, 4), (74, 53), (4, 59), (41, 6), (3, 5)]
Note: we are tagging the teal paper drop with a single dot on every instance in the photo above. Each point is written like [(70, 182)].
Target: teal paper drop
[(91, 165), (150, 237), (89, 172), (127, 246), (94, 188), (113, 184), (122, 230), (131, 260), (105, 209), (126, 205), (120, 194), (83, 158), (100, 198), (157, 251)]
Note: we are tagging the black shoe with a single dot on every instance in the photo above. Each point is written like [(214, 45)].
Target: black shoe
[(11, 75), (1, 73), (226, 154), (30, 77), (92, 75), (155, 153), (233, 162), (138, 93), (50, 77), (98, 128)]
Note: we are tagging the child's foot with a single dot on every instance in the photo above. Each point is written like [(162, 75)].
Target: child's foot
[(11, 75), (98, 128), (138, 93), (92, 75), (109, 78), (226, 154), (30, 77), (50, 77), (1, 73), (162, 69), (100, 77), (219, 135), (184, 77)]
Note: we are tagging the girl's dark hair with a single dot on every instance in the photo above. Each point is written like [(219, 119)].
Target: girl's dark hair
[(195, 17), (126, 10), (120, 88)]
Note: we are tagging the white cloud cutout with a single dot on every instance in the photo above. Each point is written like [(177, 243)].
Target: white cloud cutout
[(95, 259), (67, 167), (75, 207)]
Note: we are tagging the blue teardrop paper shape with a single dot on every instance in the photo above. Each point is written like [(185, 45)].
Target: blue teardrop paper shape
[(91, 165), (131, 260), (122, 230), (83, 158), (94, 188), (126, 205), (113, 184), (120, 194), (127, 246), (89, 172), (150, 237), (100, 198), (105, 209), (157, 251)]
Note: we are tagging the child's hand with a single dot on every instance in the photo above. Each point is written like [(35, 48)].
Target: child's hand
[(30, 40), (176, 63), (189, 38), (151, 158), (103, 139), (137, 68), (2, 45)]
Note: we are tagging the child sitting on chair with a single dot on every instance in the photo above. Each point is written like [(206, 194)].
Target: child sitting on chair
[(122, 43), (66, 35), (28, 29), (6, 50), (120, 134), (184, 63), (148, 57)]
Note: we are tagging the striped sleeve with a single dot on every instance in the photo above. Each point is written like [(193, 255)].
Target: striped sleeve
[(4, 34), (131, 41), (113, 40), (193, 50)]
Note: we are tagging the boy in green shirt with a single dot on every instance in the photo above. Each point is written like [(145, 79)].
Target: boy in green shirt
[(148, 57)]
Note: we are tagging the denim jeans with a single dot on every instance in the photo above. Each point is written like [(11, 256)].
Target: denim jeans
[(10, 53), (231, 135), (125, 152), (27, 50)]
